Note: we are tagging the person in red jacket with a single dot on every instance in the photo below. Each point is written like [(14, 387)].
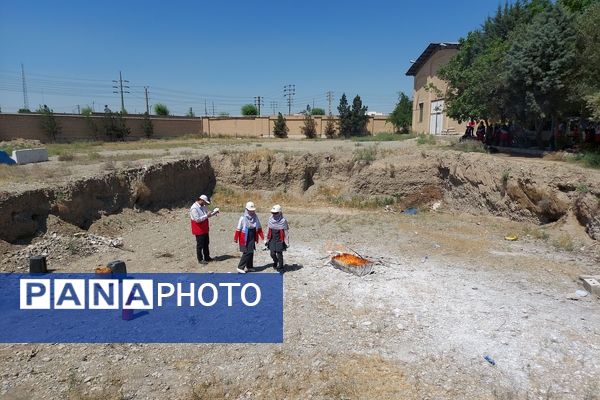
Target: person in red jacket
[(246, 235), (199, 216), (278, 237)]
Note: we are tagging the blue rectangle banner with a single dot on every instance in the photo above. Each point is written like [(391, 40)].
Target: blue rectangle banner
[(141, 308)]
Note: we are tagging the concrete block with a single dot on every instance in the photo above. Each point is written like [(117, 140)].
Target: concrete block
[(27, 156), (592, 286)]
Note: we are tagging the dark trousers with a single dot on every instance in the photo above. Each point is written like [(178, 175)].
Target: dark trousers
[(202, 242), (277, 257), (247, 260)]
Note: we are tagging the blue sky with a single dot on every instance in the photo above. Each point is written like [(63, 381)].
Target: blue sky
[(226, 52)]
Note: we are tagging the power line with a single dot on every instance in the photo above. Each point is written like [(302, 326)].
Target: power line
[(120, 88), (273, 106), (289, 91)]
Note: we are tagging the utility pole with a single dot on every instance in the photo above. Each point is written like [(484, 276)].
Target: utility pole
[(25, 98), (329, 99), (273, 106), (258, 101), (289, 91), (78, 109), (205, 110), (213, 108), (146, 94), (120, 90)]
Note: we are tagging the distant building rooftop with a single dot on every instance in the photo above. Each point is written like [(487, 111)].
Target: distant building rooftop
[(429, 51)]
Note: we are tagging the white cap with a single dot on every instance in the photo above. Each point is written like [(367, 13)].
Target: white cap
[(205, 198), (276, 208), (250, 206)]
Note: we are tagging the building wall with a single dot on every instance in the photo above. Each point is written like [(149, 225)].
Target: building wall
[(75, 127), (428, 75)]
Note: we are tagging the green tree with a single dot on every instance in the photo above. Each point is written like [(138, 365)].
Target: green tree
[(280, 128), (539, 67), (115, 127), (49, 123), (401, 117), (358, 117), (587, 82), (161, 109), (89, 121), (310, 127), (577, 5), (147, 126), (249, 109), (122, 130), (24, 110), (345, 117), (317, 111), (190, 113), (330, 128), (477, 88)]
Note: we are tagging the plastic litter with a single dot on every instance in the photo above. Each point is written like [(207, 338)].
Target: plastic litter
[(489, 359), (511, 238), (411, 211), (5, 158)]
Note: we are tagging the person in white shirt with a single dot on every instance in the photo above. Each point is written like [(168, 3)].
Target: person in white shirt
[(199, 216)]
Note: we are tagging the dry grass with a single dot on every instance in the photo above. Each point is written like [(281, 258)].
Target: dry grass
[(564, 242), (536, 232), (27, 174), (341, 377), (78, 390), (166, 143), (233, 199)]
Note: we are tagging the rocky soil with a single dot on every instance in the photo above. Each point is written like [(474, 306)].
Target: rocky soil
[(448, 289)]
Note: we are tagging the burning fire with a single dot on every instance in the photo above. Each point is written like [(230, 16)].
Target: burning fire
[(350, 259)]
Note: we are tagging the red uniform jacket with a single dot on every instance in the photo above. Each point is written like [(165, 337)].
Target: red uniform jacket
[(240, 236), (200, 228)]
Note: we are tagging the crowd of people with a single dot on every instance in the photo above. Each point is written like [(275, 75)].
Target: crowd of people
[(566, 134), (247, 234)]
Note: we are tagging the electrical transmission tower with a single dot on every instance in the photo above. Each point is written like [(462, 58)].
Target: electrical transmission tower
[(25, 98), (288, 92), (119, 86), (273, 106), (258, 101), (329, 99)]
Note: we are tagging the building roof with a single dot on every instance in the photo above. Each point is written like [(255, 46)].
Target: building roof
[(429, 51)]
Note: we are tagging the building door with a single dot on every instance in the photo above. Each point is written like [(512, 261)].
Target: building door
[(436, 119)]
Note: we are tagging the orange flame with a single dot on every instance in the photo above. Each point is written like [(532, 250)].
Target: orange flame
[(350, 259)]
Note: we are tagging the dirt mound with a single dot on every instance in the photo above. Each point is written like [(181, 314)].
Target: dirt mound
[(514, 188), (526, 190), (82, 202)]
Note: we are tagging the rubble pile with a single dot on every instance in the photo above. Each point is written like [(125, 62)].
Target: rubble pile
[(57, 247)]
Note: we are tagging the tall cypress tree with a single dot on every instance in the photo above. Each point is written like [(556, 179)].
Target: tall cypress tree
[(280, 128), (358, 117), (345, 121)]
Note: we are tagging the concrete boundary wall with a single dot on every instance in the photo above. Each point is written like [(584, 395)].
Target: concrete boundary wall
[(77, 127)]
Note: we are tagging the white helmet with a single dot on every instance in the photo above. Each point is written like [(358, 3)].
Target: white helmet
[(250, 206), (276, 208)]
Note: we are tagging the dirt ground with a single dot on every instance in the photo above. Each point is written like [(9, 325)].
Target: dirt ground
[(448, 291)]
